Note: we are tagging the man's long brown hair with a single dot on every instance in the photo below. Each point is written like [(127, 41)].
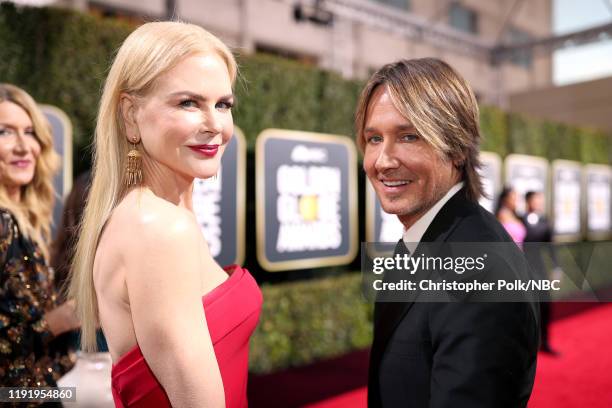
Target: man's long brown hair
[(441, 106)]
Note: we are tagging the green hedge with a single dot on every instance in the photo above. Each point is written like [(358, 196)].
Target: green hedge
[(273, 92), (302, 322), (595, 146), (526, 136), (494, 130), (61, 58), (566, 141)]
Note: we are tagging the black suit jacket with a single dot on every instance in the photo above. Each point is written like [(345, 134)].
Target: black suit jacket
[(454, 354), (538, 241)]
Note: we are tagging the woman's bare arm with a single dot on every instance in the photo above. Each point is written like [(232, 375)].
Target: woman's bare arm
[(164, 281)]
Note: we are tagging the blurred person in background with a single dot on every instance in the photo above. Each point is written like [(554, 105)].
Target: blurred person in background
[(31, 314), (539, 231), (62, 248), (92, 370), (176, 323), (506, 215)]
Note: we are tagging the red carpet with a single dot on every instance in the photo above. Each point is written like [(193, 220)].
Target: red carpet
[(580, 377), (298, 387)]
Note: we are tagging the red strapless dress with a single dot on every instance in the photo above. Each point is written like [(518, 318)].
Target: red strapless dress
[(232, 312)]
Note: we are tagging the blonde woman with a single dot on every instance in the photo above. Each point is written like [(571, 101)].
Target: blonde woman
[(30, 315), (176, 323)]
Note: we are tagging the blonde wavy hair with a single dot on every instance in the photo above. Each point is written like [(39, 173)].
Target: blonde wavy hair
[(148, 52), (34, 213)]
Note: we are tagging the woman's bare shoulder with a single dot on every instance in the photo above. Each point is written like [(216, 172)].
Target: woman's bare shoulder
[(146, 230), (143, 215)]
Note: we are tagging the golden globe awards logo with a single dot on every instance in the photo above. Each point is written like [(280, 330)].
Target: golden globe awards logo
[(526, 173), (598, 192), (308, 204), (567, 190), (306, 198)]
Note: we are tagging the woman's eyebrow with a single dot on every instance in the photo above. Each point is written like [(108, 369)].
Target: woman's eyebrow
[(13, 126), (189, 94), (197, 96)]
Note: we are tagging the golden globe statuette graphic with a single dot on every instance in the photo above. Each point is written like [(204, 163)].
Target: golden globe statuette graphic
[(309, 207)]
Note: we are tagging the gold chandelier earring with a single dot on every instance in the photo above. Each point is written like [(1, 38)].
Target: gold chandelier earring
[(134, 166)]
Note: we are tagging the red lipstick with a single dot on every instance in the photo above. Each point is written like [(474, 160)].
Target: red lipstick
[(208, 150)]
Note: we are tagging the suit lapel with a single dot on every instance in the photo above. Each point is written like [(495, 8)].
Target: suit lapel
[(387, 315), (447, 219)]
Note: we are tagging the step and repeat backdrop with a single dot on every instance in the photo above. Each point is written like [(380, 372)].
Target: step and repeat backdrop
[(577, 196), (306, 197), (566, 197), (219, 204)]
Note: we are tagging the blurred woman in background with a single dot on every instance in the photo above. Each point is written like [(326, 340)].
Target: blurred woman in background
[(506, 215), (30, 313)]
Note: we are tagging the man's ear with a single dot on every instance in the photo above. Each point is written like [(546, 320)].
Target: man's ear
[(127, 107)]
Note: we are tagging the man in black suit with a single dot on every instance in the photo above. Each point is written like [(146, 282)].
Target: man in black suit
[(417, 125), (540, 233)]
